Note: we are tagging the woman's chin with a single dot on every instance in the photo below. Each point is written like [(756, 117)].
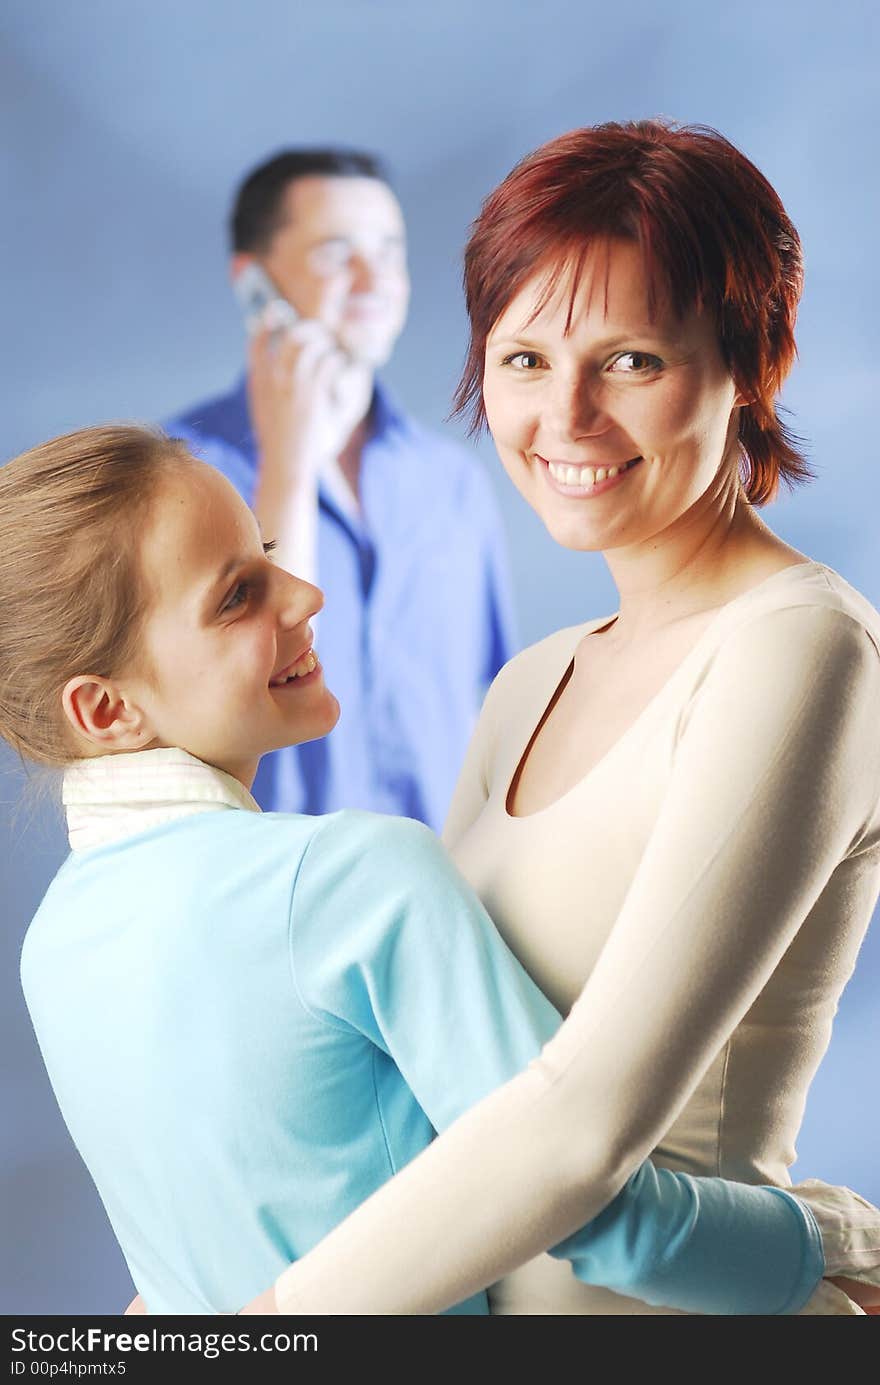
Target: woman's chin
[(576, 535)]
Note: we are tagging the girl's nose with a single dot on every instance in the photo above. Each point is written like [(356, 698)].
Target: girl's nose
[(299, 600)]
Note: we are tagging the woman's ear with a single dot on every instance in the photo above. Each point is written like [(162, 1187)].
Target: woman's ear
[(102, 714)]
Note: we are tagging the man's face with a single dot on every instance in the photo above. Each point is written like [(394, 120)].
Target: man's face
[(340, 257)]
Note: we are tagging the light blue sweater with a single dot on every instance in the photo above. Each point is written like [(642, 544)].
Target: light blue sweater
[(252, 1020)]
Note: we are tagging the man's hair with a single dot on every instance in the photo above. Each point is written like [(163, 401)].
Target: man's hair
[(713, 234), (258, 210)]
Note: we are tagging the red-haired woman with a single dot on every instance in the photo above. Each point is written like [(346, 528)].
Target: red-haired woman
[(673, 812)]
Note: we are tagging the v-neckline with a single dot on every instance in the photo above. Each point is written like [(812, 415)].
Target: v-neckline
[(584, 632)]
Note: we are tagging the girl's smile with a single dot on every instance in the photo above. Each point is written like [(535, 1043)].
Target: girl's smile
[(304, 664), (304, 670), (228, 668)]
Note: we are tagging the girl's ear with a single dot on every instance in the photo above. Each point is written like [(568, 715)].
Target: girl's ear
[(104, 715)]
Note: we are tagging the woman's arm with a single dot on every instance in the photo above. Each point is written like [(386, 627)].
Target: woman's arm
[(775, 777), (388, 941), (867, 1296)]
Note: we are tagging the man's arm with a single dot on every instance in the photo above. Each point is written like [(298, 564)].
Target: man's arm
[(305, 398)]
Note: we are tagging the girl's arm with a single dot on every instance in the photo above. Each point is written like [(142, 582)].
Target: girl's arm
[(389, 942), (775, 780)]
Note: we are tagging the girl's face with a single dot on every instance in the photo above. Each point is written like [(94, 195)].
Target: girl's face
[(613, 430), (225, 629)]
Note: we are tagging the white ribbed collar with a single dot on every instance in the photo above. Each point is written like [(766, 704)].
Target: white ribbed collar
[(116, 796)]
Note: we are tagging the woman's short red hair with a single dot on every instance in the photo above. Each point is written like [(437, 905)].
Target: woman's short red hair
[(713, 233)]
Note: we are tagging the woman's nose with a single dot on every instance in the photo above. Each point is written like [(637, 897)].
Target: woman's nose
[(575, 412)]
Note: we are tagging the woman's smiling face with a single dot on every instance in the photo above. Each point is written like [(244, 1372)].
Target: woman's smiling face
[(612, 426)]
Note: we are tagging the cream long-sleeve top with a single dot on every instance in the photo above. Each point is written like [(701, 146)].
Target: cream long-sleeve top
[(695, 905)]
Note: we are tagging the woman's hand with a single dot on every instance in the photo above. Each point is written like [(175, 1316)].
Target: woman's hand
[(867, 1296)]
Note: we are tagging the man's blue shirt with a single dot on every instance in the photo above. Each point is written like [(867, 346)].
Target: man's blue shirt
[(418, 616)]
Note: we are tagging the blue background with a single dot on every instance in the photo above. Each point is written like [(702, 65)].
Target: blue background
[(125, 128)]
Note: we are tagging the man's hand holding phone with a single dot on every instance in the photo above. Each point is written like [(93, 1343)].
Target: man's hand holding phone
[(306, 396), (300, 408)]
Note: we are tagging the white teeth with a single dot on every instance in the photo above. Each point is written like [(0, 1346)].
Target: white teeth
[(584, 476), (307, 664)]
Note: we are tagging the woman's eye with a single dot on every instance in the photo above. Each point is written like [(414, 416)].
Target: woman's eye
[(523, 360), (634, 363)]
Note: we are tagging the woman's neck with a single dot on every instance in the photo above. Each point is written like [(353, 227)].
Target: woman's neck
[(715, 551)]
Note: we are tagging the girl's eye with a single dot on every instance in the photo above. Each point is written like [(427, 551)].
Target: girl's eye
[(523, 360), (634, 363), (237, 597)]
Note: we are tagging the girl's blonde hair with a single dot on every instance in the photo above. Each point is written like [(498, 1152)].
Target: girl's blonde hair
[(71, 595)]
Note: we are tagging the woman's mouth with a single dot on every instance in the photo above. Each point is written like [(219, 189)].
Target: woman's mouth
[(586, 481)]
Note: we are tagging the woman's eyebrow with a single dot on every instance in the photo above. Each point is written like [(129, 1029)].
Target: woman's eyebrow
[(531, 340)]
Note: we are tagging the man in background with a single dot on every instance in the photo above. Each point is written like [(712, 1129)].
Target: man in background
[(397, 525)]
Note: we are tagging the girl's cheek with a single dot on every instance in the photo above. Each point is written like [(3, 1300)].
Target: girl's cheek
[(265, 642)]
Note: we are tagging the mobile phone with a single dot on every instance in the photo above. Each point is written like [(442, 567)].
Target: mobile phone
[(255, 291)]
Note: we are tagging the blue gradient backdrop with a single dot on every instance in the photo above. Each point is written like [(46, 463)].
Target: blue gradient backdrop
[(124, 128)]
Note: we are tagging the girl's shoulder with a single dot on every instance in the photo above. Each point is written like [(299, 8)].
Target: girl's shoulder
[(375, 846)]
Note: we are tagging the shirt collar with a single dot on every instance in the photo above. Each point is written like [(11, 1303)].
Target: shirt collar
[(387, 414), (116, 796)]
